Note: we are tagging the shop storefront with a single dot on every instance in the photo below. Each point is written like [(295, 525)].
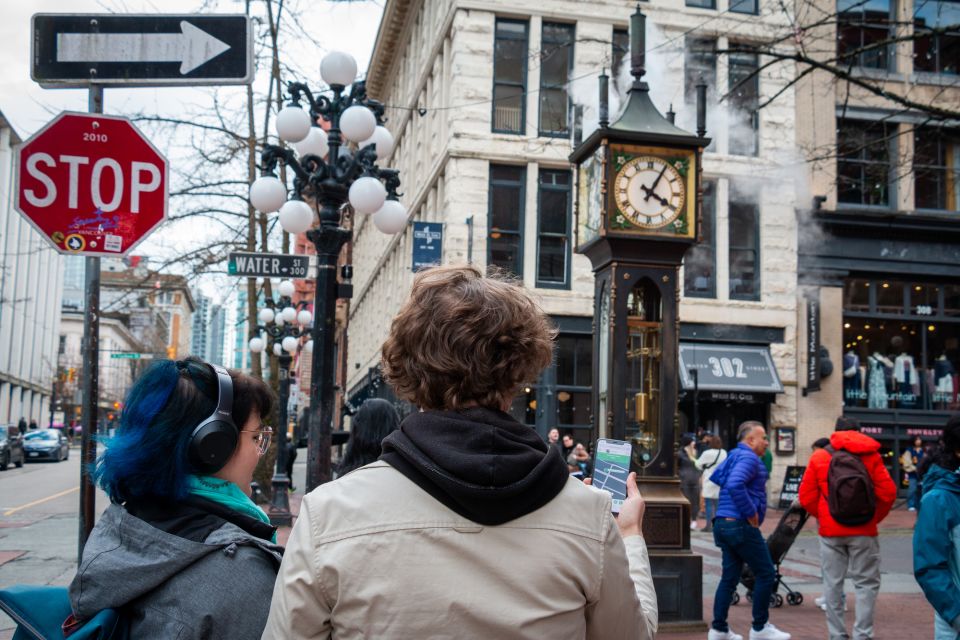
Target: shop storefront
[(901, 341), (725, 384)]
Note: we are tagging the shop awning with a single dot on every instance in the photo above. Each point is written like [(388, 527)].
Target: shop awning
[(728, 367)]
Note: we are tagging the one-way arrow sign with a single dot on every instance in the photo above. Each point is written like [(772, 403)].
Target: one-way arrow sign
[(71, 50)]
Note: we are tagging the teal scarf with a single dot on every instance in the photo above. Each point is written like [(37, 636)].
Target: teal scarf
[(229, 495)]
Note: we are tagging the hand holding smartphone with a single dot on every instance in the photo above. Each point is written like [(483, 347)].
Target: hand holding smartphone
[(611, 466)]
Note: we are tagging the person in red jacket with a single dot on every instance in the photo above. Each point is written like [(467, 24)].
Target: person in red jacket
[(848, 550)]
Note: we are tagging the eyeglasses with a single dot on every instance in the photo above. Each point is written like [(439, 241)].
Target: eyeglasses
[(264, 434)]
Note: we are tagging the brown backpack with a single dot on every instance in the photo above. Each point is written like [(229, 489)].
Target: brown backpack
[(850, 495)]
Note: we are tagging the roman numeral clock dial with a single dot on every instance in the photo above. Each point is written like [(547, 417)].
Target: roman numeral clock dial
[(650, 192)]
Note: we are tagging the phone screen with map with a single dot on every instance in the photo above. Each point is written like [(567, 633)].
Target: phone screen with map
[(610, 469)]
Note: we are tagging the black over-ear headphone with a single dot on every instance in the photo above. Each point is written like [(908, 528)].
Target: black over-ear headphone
[(214, 440)]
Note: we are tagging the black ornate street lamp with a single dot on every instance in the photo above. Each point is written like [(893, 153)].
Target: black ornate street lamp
[(284, 323), (329, 174)]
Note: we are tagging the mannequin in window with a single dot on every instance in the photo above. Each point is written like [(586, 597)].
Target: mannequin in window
[(943, 372), (876, 381), (851, 378), (905, 376)]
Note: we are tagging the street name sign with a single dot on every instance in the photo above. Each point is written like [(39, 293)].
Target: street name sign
[(91, 184), (135, 50), (268, 265), (126, 355)]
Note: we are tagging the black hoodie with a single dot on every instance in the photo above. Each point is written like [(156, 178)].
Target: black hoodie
[(479, 462)]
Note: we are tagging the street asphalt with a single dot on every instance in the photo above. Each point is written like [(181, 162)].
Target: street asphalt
[(39, 533)]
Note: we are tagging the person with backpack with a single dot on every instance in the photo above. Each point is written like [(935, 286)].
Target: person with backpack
[(936, 537), (711, 458), (849, 491)]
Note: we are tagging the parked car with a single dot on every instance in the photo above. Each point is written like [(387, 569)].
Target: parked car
[(46, 444), (11, 448)]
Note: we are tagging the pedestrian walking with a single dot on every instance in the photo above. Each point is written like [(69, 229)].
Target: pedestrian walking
[(847, 488), (469, 526), (567, 443), (33, 424), (553, 441), (182, 550), (936, 536), (910, 465), (711, 458), (22, 426), (742, 479), (689, 476), (375, 420)]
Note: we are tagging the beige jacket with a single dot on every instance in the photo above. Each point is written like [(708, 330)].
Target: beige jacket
[(373, 556)]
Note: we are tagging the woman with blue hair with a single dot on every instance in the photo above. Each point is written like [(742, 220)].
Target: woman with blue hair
[(182, 551)]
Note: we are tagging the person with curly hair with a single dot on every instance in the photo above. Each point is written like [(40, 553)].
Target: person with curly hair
[(463, 527)]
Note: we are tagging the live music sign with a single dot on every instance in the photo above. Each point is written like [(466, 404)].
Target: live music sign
[(91, 184)]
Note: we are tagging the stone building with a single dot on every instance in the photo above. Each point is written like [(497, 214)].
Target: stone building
[(481, 100), (880, 250)]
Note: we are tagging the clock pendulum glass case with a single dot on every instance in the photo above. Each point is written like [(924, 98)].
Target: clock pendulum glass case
[(644, 355)]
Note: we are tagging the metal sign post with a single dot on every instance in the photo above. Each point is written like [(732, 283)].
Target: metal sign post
[(91, 375)]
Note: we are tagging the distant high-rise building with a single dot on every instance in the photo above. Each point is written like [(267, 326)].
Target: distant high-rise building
[(199, 340), (217, 333), (241, 355)]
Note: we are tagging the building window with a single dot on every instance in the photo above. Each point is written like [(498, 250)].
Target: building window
[(700, 262), (553, 232), (936, 169), (556, 61), (700, 60), (862, 28), (937, 47), (745, 6), (509, 76), (863, 162), (745, 99), (703, 4), (505, 242), (744, 251), (574, 380)]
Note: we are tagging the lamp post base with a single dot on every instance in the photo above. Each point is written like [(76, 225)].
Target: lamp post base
[(279, 509)]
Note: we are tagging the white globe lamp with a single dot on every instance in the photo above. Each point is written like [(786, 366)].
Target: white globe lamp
[(308, 347), (293, 124), (315, 144), (265, 316), (338, 68), (391, 218), (357, 123), (256, 345), (278, 320), (289, 314), (286, 288), (384, 141), (304, 317), (267, 194), (289, 344), (277, 349), (367, 195), (296, 216)]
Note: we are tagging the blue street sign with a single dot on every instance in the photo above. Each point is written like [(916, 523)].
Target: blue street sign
[(427, 244)]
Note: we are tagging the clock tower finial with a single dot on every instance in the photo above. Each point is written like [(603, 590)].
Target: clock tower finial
[(638, 46)]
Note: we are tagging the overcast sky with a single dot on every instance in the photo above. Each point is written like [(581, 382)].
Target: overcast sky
[(344, 26)]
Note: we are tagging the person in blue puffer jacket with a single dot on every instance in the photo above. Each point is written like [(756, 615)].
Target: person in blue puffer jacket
[(736, 531), (936, 537)]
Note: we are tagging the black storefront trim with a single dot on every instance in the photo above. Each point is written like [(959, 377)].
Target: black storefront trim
[(734, 333), (574, 324)]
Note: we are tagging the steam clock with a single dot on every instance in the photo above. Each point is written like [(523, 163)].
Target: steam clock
[(638, 202)]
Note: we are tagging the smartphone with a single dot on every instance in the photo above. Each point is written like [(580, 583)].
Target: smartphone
[(611, 465)]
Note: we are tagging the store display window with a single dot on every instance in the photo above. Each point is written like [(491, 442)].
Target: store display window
[(901, 346)]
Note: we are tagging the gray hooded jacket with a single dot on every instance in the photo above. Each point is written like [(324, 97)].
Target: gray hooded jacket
[(174, 587)]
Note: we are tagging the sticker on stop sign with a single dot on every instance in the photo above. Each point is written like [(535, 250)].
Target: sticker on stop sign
[(91, 184)]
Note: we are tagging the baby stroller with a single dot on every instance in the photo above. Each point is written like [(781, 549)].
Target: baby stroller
[(779, 543)]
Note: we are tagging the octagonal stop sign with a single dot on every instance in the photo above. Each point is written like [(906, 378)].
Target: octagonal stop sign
[(92, 184)]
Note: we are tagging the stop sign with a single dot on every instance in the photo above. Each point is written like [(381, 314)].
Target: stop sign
[(92, 184)]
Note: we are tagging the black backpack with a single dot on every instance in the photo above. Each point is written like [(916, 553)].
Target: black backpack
[(850, 495)]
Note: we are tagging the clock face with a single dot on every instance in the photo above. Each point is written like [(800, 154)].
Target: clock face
[(650, 192)]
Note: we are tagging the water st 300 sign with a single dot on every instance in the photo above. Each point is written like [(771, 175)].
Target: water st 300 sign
[(74, 50)]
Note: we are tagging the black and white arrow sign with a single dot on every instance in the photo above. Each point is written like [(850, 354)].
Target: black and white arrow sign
[(72, 50)]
